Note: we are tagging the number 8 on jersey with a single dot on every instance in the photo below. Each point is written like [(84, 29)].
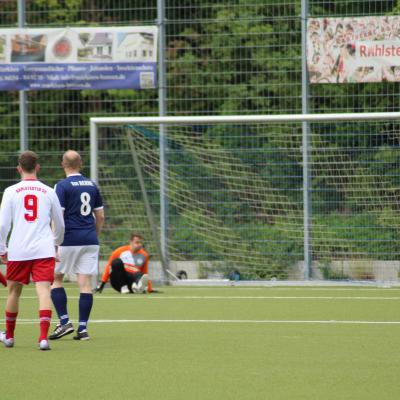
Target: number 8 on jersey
[(85, 207)]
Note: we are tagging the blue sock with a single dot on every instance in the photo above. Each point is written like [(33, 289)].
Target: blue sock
[(59, 298), (85, 306)]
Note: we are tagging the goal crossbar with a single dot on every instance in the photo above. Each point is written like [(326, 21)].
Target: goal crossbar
[(217, 119)]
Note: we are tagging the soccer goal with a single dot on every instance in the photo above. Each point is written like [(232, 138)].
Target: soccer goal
[(266, 198)]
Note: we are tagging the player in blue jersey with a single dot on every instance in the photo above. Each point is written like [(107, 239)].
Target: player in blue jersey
[(84, 217)]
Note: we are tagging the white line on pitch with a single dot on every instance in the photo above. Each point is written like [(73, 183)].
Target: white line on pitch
[(266, 288), (225, 321), (148, 298), (252, 297)]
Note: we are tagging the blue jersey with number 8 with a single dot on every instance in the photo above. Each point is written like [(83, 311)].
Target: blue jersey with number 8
[(79, 197)]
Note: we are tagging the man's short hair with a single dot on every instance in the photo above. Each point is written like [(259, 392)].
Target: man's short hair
[(133, 235), (72, 159), (28, 160)]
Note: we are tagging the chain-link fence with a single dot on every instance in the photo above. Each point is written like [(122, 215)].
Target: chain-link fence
[(222, 57)]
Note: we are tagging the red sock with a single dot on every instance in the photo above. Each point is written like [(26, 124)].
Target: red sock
[(11, 320), (45, 318), (3, 279)]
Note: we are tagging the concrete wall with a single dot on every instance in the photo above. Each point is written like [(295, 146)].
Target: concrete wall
[(353, 269)]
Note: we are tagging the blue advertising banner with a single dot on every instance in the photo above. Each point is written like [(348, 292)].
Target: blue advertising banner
[(78, 58)]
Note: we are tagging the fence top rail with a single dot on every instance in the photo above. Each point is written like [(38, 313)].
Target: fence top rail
[(201, 119)]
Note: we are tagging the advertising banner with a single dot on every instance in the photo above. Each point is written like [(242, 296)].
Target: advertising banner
[(78, 58), (362, 49)]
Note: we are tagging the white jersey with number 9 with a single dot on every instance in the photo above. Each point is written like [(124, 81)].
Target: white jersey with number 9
[(30, 206)]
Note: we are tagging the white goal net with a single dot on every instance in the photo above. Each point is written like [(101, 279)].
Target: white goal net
[(235, 189)]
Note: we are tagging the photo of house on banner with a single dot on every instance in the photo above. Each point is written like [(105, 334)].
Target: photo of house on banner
[(135, 47), (28, 48), (95, 46), (2, 48)]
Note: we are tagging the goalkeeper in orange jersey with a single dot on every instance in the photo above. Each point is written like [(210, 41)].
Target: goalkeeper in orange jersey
[(127, 268)]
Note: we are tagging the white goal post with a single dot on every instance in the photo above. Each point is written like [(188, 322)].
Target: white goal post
[(305, 148)]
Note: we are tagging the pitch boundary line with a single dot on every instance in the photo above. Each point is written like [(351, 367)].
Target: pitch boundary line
[(150, 298), (255, 297), (278, 288), (225, 321)]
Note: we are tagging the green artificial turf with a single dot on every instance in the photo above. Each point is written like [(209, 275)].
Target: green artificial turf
[(230, 358)]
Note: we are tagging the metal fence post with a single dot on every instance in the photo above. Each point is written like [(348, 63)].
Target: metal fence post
[(306, 145), (23, 107), (94, 153), (163, 132)]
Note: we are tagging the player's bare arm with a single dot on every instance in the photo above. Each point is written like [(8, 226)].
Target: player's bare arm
[(99, 215)]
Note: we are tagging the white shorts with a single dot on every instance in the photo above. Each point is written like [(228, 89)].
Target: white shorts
[(78, 260)]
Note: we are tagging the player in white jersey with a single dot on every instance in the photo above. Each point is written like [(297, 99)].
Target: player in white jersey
[(30, 207)]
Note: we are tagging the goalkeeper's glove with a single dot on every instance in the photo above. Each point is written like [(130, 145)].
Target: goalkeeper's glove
[(100, 287)]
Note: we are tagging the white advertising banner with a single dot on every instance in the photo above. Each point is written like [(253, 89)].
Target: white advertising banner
[(78, 58), (363, 49)]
